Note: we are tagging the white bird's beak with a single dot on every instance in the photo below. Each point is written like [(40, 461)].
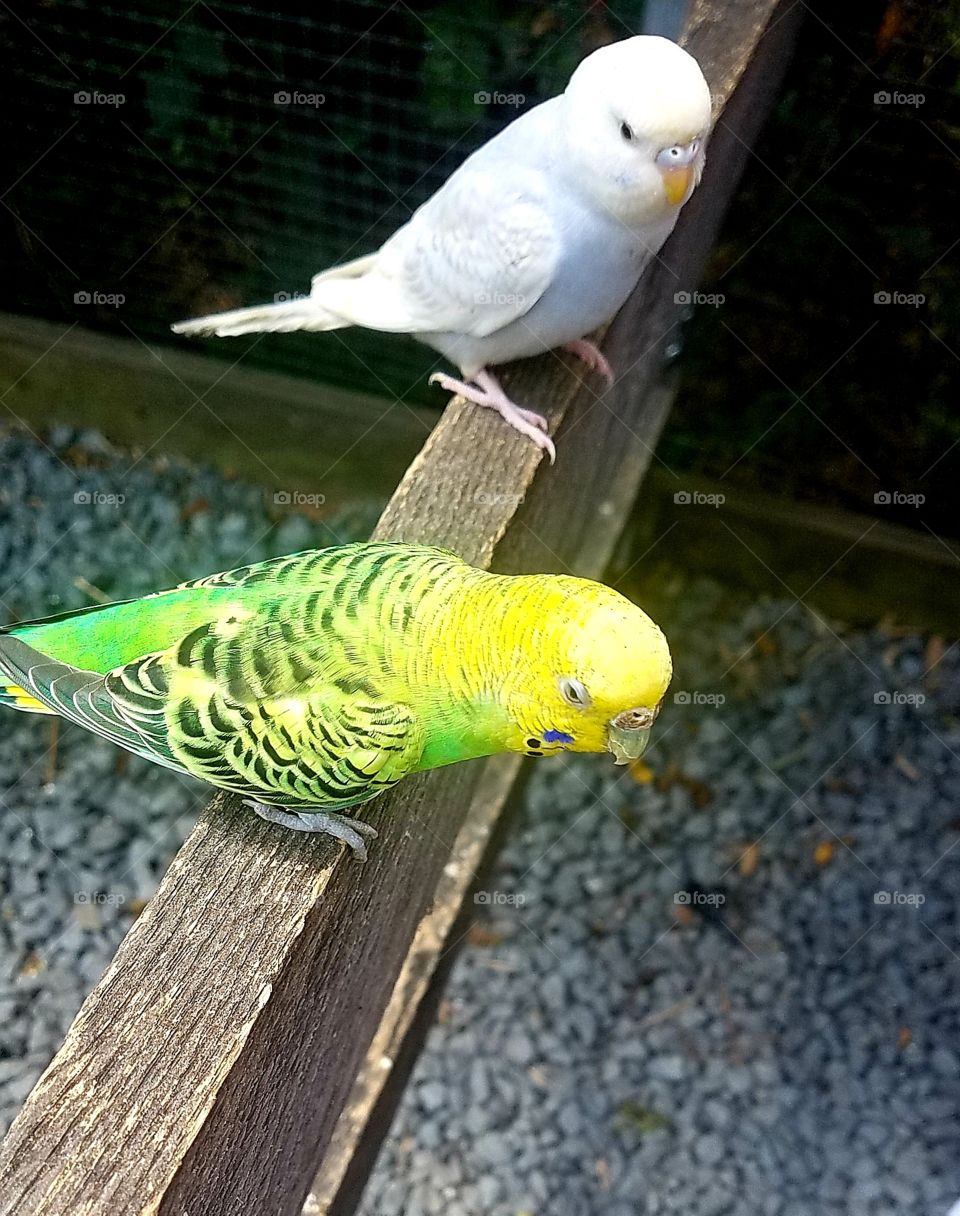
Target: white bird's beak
[(677, 184), (629, 733)]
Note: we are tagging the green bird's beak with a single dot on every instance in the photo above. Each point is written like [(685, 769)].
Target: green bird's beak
[(629, 733)]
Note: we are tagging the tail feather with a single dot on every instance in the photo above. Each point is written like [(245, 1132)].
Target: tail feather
[(12, 692), (282, 317), (340, 296), (15, 697)]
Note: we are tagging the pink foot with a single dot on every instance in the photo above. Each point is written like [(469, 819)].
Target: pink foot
[(485, 390), (590, 354)]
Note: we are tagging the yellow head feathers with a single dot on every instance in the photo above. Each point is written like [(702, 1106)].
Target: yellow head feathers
[(587, 668)]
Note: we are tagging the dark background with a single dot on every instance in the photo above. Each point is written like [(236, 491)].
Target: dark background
[(200, 192)]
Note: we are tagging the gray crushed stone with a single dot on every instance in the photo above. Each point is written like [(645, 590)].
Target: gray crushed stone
[(81, 852), (782, 1043), (789, 1046)]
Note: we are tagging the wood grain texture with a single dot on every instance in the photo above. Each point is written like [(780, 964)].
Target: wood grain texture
[(343, 1167), (208, 1069), (605, 447)]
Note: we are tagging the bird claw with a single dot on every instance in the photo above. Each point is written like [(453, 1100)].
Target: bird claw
[(487, 392), (342, 827), (594, 358)]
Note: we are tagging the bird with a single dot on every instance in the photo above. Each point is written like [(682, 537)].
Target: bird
[(313, 682), (536, 240)]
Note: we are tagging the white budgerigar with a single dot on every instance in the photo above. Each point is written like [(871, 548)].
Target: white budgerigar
[(537, 239)]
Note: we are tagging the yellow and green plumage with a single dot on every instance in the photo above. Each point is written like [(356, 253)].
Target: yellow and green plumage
[(312, 682)]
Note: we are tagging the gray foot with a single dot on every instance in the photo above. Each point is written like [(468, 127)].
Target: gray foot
[(350, 831)]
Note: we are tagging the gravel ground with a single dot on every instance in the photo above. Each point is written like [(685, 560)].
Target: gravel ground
[(82, 848), (652, 1016), (725, 983)]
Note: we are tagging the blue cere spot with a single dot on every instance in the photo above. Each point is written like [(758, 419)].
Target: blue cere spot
[(556, 736)]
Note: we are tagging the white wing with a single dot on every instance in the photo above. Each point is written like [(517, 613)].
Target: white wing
[(473, 258)]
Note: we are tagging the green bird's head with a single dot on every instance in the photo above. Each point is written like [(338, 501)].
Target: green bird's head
[(589, 670)]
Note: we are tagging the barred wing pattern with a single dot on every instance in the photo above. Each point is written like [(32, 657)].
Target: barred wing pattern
[(276, 695)]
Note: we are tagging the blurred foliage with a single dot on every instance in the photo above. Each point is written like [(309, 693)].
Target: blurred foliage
[(513, 51), (201, 192)]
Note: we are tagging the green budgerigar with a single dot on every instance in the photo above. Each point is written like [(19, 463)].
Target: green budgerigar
[(313, 682)]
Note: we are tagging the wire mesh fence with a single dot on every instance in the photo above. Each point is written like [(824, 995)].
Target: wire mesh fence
[(163, 163), (167, 165), (827, 366)]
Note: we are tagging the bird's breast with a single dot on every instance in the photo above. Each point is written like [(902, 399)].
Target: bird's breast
[(599, 266)]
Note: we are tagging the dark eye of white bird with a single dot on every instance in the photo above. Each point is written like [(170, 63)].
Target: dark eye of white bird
[(626, 131), (574, 693)]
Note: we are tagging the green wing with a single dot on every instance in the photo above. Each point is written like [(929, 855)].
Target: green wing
[(77, 695), (257, 722), (269, 692), (323, 743)]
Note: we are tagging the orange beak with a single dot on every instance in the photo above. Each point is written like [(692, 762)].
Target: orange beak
[(676, 184)]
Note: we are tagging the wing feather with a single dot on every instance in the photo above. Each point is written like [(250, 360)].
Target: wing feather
[(471, 260), (267, 696)]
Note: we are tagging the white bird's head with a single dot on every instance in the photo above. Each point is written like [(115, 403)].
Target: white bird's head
[(636, 125)]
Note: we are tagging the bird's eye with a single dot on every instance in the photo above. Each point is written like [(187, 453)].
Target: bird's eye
[(679, 156), (626, 131), (574, 693)]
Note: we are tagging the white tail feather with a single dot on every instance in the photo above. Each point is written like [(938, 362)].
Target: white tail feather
[(282, 317)]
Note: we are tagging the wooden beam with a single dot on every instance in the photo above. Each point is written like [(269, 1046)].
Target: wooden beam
[(208, 1069), (744, 56), (282, 432), (851, 566)]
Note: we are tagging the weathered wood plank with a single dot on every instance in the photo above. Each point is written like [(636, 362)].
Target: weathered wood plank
[(626, 423), (208, 1069), (393, 1049), (282, 432)]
